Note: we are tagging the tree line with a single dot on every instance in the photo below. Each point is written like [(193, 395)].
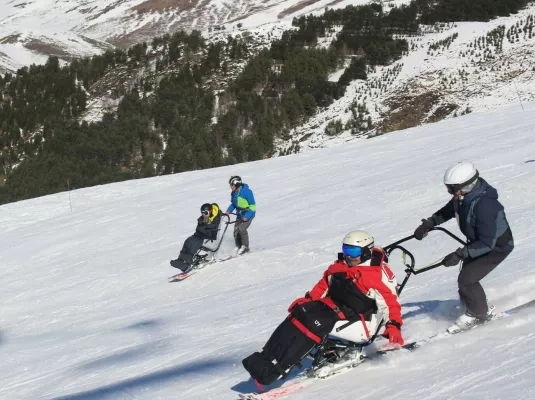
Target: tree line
[(172, 119)]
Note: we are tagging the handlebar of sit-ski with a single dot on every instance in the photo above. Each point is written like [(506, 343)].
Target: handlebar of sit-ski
[(410, 269), (436, 228), (229, 222), (438, 263)]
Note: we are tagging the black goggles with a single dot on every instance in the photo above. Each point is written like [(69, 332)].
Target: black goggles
[(205, 212), (452, 189)]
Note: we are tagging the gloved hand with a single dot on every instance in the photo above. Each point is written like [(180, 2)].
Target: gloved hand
[(299, 301), (453, 258), (393, 333), (422, 230)]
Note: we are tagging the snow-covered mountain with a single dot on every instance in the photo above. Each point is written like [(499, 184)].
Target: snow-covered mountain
[(450, 70), (87, 312), (32, 30)]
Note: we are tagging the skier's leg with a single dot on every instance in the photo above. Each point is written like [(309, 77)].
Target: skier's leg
[(190, 248), (470, 290), (316, 316), (284, 349), (242, 232), (237, 237)]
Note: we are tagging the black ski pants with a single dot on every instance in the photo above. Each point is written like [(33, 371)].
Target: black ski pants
[(470, 290), (190, 248), (289, 344)]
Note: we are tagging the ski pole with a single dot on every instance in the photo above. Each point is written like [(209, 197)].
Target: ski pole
[(69, 190)]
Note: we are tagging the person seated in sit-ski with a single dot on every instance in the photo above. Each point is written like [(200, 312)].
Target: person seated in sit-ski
[(359, 286), (207, 228)]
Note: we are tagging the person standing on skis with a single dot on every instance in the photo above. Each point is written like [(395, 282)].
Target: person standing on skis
[(482, 220), (356, 286), (242, 200)]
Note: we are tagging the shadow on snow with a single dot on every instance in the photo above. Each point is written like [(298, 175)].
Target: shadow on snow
[(435, 309), (119, 389)]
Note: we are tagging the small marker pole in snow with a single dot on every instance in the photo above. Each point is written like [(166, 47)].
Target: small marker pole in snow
[(69, 190), (517, 95)]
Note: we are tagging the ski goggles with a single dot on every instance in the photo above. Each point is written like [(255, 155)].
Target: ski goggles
[(351, 251), (452, 189), (205, 212)]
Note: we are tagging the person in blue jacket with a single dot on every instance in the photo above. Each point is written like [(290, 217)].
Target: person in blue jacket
[(481, 218), (242, 200)]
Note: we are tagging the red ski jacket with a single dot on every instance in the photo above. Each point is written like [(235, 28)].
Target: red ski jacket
[(377, 282)]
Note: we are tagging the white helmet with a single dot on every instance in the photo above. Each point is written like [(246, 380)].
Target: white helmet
[(462, 175), (358, 244)]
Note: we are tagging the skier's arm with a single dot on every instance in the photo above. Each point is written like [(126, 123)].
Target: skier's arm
[(252, 205), (231, 208), (387, 301), (321, 288), (486, 213), (444, 214), (203, 229)]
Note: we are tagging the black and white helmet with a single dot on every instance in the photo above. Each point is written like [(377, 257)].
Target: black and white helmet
[(235, 181)]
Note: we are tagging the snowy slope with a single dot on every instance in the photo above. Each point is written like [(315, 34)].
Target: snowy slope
[(87, 312)]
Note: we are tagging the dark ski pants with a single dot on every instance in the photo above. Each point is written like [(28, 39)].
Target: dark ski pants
[(190, 248), (241, 236), (293, 339), (470, 290)]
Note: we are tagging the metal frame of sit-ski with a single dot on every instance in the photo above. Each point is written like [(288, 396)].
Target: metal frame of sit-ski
[(202, 259), (332, 345)]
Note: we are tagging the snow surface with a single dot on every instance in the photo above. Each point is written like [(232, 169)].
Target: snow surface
[(87, 312)]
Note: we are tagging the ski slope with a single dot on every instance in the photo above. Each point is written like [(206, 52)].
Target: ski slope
[(87, 313)]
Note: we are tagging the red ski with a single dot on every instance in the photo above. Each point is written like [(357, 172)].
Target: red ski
[(273, 393)]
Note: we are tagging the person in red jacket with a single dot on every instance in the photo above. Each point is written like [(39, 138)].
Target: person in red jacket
[(356, 286)]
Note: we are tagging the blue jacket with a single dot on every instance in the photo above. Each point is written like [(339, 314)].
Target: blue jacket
[(481, 219), (243, 202)]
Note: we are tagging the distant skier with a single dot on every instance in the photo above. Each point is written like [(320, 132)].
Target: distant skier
[(482, 220), (356, 286), (242, 200), (207, 228)]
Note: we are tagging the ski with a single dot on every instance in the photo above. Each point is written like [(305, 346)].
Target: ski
[(387, 348), (495, 317), (272, 394), (307, 376), (184, 275), (180, 277)]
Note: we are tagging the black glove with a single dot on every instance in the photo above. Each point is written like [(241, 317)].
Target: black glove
[(453, 258), (422, 230)]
